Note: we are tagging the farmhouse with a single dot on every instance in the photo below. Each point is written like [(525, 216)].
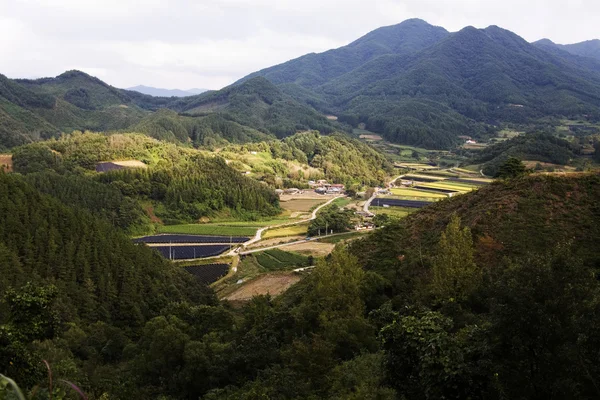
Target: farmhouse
[(321, 190), (471, 142), (291, 191)]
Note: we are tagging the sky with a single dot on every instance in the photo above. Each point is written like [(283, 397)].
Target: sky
[(211, 43)]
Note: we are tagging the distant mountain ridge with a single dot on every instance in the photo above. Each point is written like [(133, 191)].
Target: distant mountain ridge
[(413, 83), (39, 109), (418, 84), (159, 92), (588, 48)]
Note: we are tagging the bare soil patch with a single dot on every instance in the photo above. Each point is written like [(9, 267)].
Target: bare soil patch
[(275, 241), (302, 205), (316, 249), (6, 162), (273, 284), (131, 164)]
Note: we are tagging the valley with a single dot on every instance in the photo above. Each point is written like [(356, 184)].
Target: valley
[(413, 215)]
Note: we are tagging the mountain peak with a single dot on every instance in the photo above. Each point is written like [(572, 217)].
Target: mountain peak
[(545, 42)]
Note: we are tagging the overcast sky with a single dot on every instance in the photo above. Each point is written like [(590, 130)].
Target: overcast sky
[(211, 43)]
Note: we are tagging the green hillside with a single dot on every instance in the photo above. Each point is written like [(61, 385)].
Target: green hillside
[(203, 130), (313, 70), (181, 184), (259, 104), (533, 147)]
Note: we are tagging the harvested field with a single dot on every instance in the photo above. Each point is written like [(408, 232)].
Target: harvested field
[(306, 194), (274, 241), (313, 248), (272, 284), (302, 205), (6, 162)]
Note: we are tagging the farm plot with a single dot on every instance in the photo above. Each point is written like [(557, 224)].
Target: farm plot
[(417, 166), (414, 194), (208, 273), (191, 252), (422, 178), (293, 230), (277, 260), (381, 202), (452, 186), (437, 190), (312, 248), (471, 181), (191, 239), (209, 229), (395, 212), (301, 205), (271, 284)]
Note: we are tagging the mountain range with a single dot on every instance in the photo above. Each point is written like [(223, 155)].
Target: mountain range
[(413, 83), (158, 92)]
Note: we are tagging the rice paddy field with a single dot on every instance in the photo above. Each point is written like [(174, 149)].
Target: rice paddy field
[(293, 230), (415, 194), (427, 187)]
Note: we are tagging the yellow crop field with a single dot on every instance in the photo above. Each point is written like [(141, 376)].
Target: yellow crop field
[(415, 194)]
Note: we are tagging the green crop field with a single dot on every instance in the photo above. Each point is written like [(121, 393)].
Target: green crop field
[(415, 194), (293, 230), (277, 260), (209, 229), (448, 186), (396, 212)]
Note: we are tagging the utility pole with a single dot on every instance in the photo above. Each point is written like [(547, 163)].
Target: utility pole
[(326, 222)]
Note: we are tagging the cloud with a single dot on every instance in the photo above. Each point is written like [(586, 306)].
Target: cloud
[(187, 43)]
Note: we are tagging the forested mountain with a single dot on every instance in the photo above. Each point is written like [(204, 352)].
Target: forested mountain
[(66, 273), (259, 104), (204, 130), (313, 70), (440, 85), (158, 92), (589, 48), (256, 110)]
